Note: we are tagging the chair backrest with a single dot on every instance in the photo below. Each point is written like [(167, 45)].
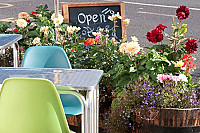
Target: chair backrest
[(31, 106), (45, 57)]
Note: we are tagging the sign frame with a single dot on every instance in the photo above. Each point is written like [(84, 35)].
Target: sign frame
[(66, 6)]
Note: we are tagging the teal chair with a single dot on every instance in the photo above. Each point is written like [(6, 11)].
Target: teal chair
[(45, 57), (54, 57), (29, 105)]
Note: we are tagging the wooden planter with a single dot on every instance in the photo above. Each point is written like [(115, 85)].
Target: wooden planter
[(171, 120)]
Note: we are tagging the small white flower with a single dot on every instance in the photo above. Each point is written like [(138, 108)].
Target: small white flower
[(107, 31), (132, 69), (183, 78), (36, 40), (39, 15), (126, 21), (58, 21), (179, 63), (101, 30), (76, 29), (44, 29), (59, 16), (96, 33), (70, 29), (134, 39)]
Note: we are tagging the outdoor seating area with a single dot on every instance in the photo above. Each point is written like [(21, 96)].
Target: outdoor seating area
[(77, 67)]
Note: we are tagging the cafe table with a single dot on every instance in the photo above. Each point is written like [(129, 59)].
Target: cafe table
[(9, 40), (80, 79)]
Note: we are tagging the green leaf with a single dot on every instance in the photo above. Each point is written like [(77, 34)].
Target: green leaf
[(156, 60), (165, 60), (149, 64), (123, 80), (184, 25), (183, 30), (33, 34), (141, 68)]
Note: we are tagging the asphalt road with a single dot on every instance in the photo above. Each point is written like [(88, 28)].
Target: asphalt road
[(145, 15)]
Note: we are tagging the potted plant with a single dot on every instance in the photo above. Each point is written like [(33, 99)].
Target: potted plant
[(155, 91)]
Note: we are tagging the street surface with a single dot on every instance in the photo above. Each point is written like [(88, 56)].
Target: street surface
[(145, 15)]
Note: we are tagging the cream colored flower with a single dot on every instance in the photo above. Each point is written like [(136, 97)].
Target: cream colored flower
[(122, 47), (132, 48), (70, 29), (111, 17), (107, 31), (96, 33), (44, 29), (23, 15), (126, 21), (39, 15), (117, 16), (107, 35), (59, 16), (36, 40), (134, 39), (45, 33), (179, 64), (113, 40), (101, 30), (58, 21), (76, 29), (21, 23), (114, 17)]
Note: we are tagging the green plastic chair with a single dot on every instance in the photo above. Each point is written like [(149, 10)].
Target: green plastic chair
[(30, 105), (55, 57)]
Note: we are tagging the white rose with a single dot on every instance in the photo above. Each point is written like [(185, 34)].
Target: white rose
[(21, 23)]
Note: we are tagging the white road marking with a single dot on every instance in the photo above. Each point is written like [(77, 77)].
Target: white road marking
[(7, 19), (152, 13), (155, 5), (5, 5)]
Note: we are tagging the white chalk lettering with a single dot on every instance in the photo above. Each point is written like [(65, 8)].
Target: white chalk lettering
[(102, 18), (89, 18), (95, 18), (81, 18)]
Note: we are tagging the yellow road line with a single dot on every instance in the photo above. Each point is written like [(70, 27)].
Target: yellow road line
[(152, 13), (7, 19), (5, 5)]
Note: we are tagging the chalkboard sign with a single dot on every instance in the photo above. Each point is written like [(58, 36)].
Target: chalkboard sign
[(92, 16)]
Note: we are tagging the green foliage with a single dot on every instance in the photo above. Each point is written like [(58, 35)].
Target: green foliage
[(4, 27)]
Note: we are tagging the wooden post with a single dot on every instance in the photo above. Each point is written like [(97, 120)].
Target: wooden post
[(56, 7)]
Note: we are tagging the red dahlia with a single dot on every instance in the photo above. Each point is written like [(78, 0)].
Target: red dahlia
[(182, 12), (155, 36), (89, 41), (161, 27), (191, 46)]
